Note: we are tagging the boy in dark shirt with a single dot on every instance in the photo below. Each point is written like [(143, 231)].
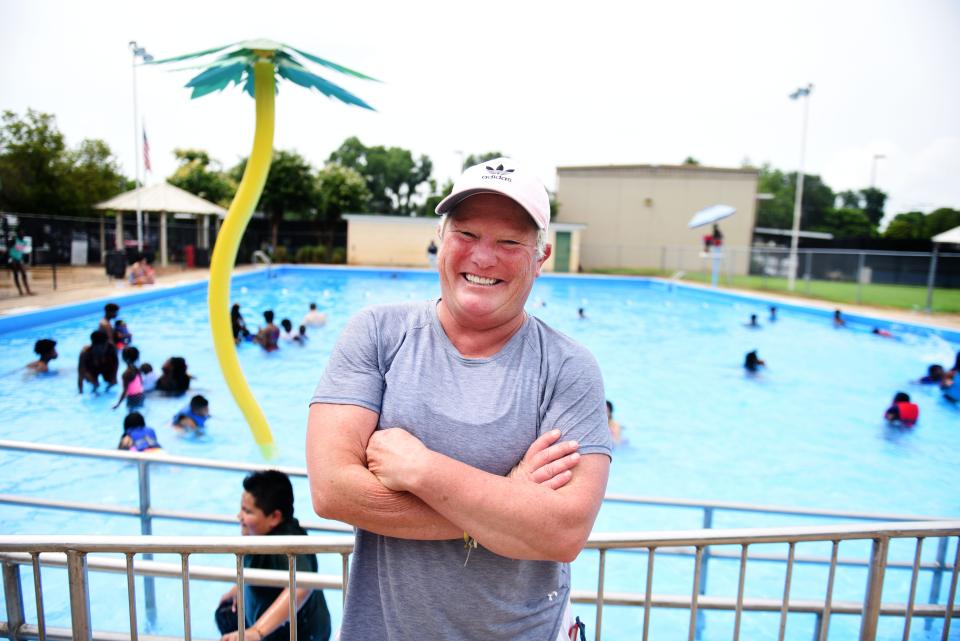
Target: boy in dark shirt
[(266, 508)]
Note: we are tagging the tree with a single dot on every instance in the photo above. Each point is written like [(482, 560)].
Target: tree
[(39, 174), (848, 223), (429, 206), (690, 160), (340, 190), (818, 201), (850, 199), (919, 226), (906, 226), (291, 188), (873, 203), (393, 176), (476, 159), (203, 177)]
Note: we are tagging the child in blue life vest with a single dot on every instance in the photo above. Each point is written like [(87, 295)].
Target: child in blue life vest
[(137, 437), (193, 417)]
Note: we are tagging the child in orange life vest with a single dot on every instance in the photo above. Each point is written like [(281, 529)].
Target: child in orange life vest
[(902, 411)]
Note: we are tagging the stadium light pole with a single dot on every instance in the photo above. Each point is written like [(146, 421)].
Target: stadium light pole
[(873, 169), (802, 92), (139, 53)]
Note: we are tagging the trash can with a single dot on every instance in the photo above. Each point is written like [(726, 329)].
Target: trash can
[(188, 255), (116, 264)]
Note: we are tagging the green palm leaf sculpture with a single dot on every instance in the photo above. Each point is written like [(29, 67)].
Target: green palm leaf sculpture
[(257, 66)]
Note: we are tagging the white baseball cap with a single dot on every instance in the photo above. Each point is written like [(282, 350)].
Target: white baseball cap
[(501, 176)]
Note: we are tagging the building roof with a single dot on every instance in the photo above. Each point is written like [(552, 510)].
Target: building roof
[(162, 197), (749, 171)]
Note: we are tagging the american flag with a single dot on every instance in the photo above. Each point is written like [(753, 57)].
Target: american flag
[(146, 151)]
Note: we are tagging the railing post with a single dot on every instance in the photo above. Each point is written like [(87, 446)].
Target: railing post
[(13, 595), (707, 525), (146, 529), (860, 260), (79, 595), (808, 270), (937, 578), (872, 600), (600, 582)]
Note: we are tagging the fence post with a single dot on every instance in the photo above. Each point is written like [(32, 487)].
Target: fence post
[(54, 275), (872, 599), (79, 595), (808, 270), (13, 595), (860, 260), (146, 529), (931, 278)]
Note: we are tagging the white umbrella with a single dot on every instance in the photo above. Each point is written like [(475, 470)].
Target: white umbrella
[(711, 214), (951, 236)]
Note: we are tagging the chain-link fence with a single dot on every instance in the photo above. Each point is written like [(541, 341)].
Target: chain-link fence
[(910, 280)]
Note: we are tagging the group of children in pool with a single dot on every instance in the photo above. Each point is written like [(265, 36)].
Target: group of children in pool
[(269, 336), (902, 411), (99, 360)]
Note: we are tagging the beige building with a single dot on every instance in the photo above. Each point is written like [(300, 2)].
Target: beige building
[(636, 215), (401, 241)]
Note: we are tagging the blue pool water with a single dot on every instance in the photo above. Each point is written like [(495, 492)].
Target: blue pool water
[(808, 432)]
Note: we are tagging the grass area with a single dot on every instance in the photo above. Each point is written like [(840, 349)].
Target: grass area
[(896, 296)]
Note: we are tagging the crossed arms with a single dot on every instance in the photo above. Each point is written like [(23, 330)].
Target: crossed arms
[(389, 483)]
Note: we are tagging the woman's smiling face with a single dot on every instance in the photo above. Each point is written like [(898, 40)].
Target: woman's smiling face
[(488, 261)]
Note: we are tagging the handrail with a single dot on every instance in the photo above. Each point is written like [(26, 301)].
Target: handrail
[(299, 472), (74, 550), (147, 513)]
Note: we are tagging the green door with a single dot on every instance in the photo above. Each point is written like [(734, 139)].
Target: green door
[(561, 252)]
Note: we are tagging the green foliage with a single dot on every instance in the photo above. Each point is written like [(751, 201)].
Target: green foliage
[(279, 254), (858, 216), (476, 159), (873, 203), (393, 176), (340, 190), (203, 177), (690, 160), (311, 254), (919, 226), (848, 223), (429, 206), (338, 255), (291, 188), (39, 174)]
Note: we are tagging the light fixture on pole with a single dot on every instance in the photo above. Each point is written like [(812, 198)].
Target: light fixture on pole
[(139, 53), (873, 169), (802, 92)]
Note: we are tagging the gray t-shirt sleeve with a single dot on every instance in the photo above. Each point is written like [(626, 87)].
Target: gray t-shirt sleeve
[(575, 404), (353, 375)]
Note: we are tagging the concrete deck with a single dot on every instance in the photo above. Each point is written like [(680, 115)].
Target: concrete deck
[(77, 284)]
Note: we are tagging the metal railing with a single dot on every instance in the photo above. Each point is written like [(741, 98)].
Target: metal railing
[(73, 552), (146, 513)]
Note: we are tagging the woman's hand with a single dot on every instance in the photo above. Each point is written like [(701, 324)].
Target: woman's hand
[(547, 462)]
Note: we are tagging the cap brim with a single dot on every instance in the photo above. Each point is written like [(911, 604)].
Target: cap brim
[(447, 204)]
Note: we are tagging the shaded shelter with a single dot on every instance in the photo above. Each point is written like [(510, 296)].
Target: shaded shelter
[(163, 198), (949, 237)]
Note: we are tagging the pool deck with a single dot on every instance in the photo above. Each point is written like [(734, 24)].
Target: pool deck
[(81, 284)]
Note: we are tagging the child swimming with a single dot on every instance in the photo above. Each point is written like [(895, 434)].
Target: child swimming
[(132, 381)]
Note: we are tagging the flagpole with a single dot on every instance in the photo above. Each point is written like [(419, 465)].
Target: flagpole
[(142, 53)]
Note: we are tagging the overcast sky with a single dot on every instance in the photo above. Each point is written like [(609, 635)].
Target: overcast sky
[(550, 83)]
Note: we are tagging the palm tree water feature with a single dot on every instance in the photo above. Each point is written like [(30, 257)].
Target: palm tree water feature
[(254, 64)]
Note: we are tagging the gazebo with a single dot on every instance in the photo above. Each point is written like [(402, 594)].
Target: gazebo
[(163, 198)]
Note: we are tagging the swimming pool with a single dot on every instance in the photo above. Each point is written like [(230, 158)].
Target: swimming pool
[(807, 432)]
